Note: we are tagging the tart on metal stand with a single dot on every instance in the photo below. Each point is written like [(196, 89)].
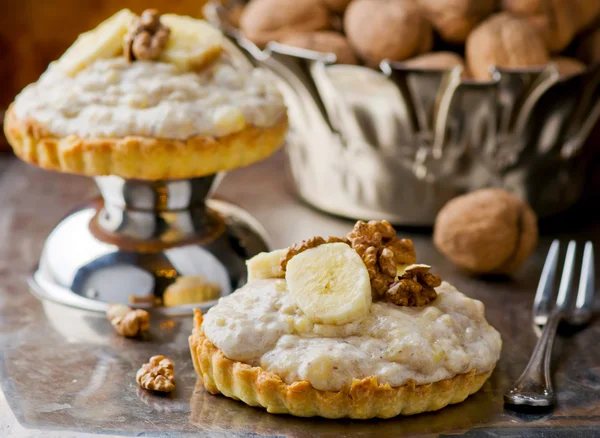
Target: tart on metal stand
[(155, 108), (345, 327)]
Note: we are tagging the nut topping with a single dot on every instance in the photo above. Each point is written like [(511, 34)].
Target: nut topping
[(382, 252), (415, 287), (126, 321), (157, 375), (387, 262), (147, 37)]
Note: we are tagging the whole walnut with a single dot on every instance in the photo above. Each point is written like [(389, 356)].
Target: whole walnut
[(323, 41), (337, 6), (486, 231), (454, 19), (588, 47), (234, 14), (387, 29), (504, 41), (271, 20), (568, 66), (558, 21), (588, 12), (435, 61)]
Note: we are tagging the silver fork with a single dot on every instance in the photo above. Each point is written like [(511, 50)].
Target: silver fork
[(534, 387)]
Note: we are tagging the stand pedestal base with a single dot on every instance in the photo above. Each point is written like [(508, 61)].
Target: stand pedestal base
[(143, 236)]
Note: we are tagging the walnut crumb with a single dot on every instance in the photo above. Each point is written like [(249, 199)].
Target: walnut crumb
[(382, 252), (415, 287), (126, 321), (147, 37), (157, 375), (313, 242)]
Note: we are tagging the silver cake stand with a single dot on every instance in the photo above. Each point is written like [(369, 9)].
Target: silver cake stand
[(139, 237)]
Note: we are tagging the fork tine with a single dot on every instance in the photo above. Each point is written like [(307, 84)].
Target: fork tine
[(543, 295), (585, 294), (562, 300), (534, 386)]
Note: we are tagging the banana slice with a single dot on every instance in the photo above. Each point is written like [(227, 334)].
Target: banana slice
[(330, 283), (104, 41), (266, 265), (193, 44)]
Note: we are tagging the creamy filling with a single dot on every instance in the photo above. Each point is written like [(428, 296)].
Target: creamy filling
[(114, 98), (261, 325)]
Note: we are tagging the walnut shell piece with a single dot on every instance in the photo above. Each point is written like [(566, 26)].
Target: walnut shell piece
[(504, 41), (323, 41), (387, 29), (147, 37), (486, 231), (454, 19), (415, 287), (157, 375), (271, 20), (128, 322)]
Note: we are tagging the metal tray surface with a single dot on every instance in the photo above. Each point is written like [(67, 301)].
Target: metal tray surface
[(65, 373)]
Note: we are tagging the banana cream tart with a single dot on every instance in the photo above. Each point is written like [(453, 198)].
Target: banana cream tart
[(150, 97), (345, 327), (114, 97)]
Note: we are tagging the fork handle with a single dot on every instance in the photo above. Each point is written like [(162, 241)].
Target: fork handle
[(534, 387)]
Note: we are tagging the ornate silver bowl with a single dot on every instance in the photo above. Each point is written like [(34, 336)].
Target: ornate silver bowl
[(397, 143)]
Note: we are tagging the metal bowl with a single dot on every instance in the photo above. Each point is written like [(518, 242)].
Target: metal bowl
[(398, 143)]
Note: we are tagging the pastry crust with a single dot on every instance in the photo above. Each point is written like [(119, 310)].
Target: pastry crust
[(362, 400), (141, 157)]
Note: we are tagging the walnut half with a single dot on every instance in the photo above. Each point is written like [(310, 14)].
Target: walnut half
[(415, 287), (157, 375), (147, 37), (126, 321), (376, 243)]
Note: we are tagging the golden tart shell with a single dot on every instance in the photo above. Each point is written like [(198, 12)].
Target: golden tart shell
[(141, 157), (364, 399)]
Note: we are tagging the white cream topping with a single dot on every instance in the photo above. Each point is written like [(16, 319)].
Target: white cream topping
[(260, 325), (114, 98)]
